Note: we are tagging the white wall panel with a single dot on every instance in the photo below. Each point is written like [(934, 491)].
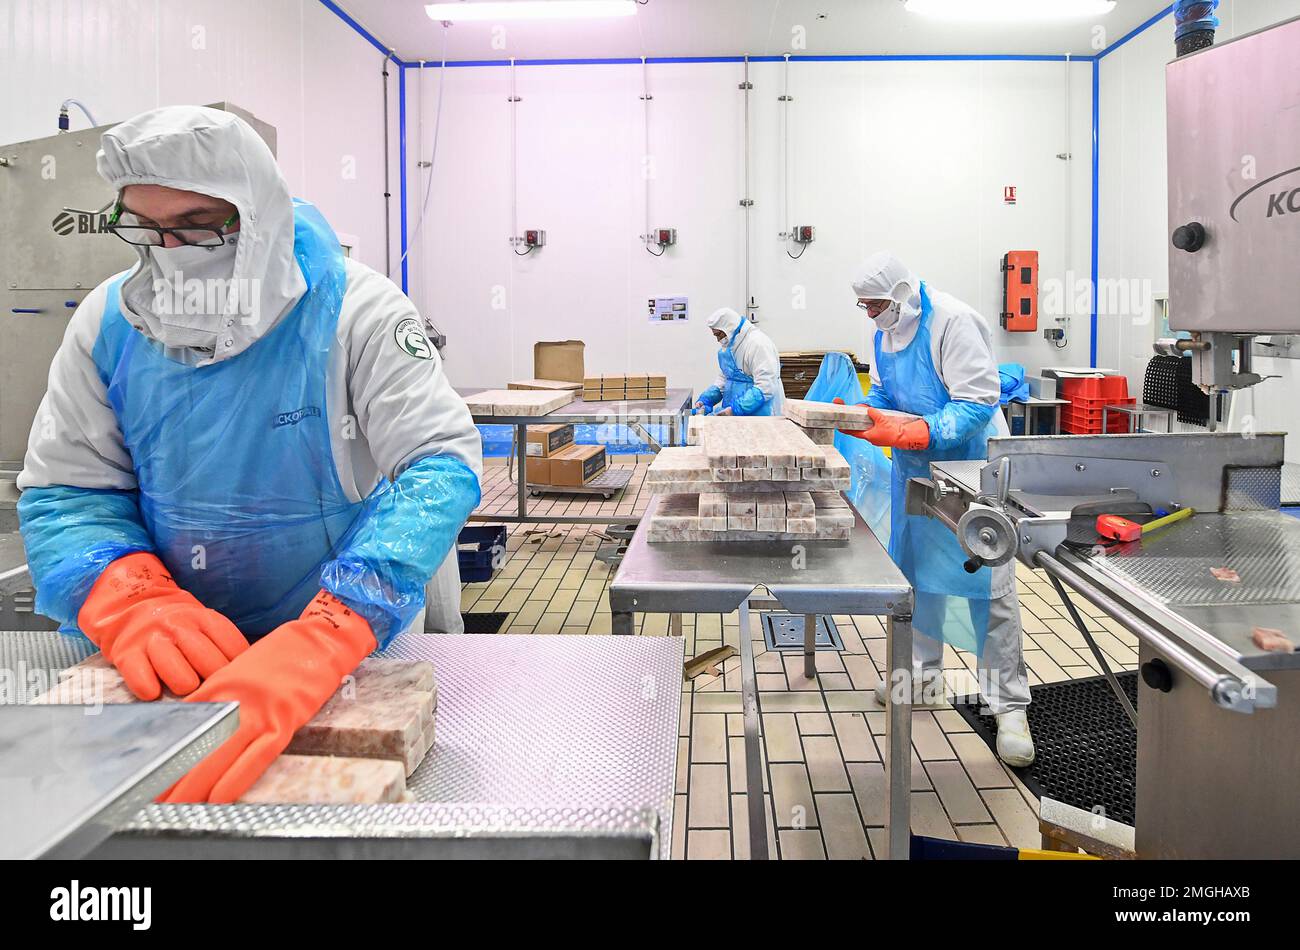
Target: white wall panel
[(909, 156)]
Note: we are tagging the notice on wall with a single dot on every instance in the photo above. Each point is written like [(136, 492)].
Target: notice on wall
[(668, 309)]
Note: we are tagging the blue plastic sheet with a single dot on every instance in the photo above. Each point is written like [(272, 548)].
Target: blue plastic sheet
[(870, 468), (1014, 387)]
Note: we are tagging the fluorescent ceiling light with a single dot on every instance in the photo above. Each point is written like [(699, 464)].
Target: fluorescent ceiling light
[(530, 10), (1027, 10)]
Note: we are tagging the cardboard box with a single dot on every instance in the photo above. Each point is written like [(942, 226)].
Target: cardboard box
[(559, 359), (637, 393), (547, 440), (576, 465), (537, 470), (591, 395), (546, 384), (657, 382), (591, 382), (659, 392)]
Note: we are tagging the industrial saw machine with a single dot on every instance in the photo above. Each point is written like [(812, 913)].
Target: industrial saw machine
[(1214, 598)]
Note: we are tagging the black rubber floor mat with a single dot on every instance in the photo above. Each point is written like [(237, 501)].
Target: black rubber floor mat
[(1085, 747), (483, 623)]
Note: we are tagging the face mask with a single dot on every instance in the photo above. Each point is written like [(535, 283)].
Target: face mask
[(888, 318), (191, 286)]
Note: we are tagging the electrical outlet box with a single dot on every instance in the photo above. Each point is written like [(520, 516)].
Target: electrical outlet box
[(802, 233), (1054, 334), (666, 237), (534, 238)]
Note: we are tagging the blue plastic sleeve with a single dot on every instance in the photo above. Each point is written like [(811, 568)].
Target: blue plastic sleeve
[(957, 422), (711, 396), (399, 541), (71, 535), (750, 401)]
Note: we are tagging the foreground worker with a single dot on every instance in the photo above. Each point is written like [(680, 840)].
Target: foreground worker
[(246, 437), (934, 359), (749, 370)]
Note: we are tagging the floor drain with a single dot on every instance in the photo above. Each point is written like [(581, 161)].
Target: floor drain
[(784, 633)]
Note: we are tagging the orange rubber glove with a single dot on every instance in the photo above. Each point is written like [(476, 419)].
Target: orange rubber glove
[(888, 431), (280, 683), (153, 631)]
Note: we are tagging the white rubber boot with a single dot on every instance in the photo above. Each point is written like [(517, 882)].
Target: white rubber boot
[(927, 689), (1015, 744)]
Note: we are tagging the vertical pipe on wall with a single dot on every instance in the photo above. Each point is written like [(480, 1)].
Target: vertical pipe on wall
[(646, 167), (1096, 170), (388, 225), (401, 161), (747, 202)]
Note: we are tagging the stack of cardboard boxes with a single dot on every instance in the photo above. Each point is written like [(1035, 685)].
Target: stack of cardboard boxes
[(554, 460), (624, 386)]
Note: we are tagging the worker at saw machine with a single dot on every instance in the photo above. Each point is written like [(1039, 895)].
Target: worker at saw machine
[(246, 437), (934, 359), (749, 370)]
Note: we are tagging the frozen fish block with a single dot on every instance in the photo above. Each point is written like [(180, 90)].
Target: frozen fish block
[(328, 780)]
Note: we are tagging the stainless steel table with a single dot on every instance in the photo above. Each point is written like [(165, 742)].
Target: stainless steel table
[(812, 578), (673, 411), (1135, 416), (547, 747), (70, 776), (1031, 409)]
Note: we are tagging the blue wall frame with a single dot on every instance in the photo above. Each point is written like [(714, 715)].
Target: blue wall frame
[(403, 66)]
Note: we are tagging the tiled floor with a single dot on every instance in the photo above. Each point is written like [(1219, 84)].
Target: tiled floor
[(822, 739)]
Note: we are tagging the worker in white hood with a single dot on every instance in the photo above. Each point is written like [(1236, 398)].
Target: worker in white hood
[(246, 437), (749, 370), (934, 360)]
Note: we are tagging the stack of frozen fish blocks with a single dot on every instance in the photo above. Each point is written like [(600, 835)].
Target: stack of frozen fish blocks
[(749, 479)]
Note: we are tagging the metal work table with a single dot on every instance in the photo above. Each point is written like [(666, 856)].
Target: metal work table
[(673, 411), (1135, 416), (72, 775), (1217, 715), (1031, 409), (547, 747), (811, 578)]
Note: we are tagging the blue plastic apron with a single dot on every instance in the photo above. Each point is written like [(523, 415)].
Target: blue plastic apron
[(951, 605), (738, 381), (237, 483)]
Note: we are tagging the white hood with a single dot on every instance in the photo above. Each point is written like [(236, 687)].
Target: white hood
[(884, 277), (215, 153), (724, 319)]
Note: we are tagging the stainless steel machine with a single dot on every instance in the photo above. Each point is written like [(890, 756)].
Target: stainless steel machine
[(1234, 202), (1217, 714), (54, 249)]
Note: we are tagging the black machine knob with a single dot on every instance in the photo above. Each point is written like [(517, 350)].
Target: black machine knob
[(973, 565), (1156, 674), (1190, 237)]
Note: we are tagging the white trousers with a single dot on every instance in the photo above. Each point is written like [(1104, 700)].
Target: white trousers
[(1003, 682)]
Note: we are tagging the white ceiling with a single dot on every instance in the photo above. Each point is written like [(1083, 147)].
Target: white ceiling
[(740, 27)]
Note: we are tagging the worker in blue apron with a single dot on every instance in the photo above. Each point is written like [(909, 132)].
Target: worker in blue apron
[(934, 360), (749, 370)]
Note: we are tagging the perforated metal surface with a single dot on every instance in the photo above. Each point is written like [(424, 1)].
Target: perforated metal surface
[(1291, 483), (32, 657), (1174, 565), (1253, 489), (536, 735), (1085, 747)]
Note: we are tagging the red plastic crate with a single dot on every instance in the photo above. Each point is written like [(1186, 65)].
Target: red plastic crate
[(1110, 388)]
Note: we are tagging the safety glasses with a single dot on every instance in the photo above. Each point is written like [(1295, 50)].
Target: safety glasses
[(142, 235), (874, 308)]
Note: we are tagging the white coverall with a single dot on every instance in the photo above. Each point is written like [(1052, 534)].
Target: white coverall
[(962, 352), (386, 409)]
